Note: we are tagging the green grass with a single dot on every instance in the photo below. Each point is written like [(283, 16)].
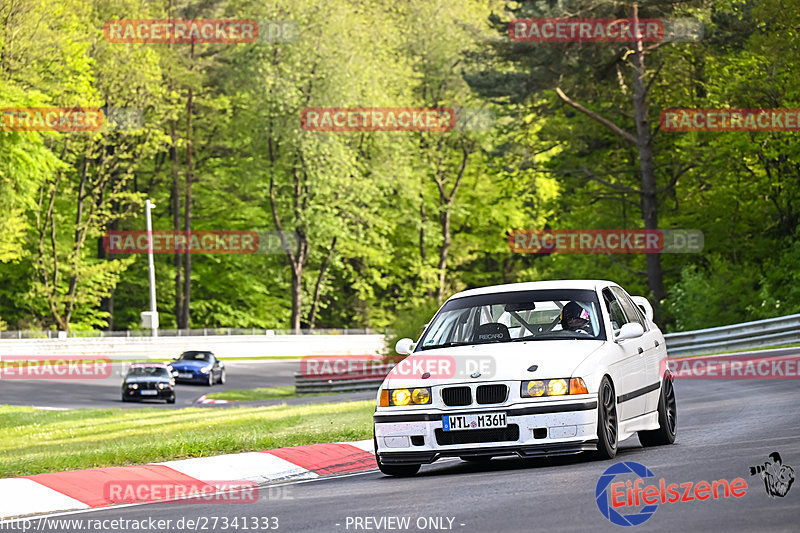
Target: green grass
[(35, 441), (252, 395)]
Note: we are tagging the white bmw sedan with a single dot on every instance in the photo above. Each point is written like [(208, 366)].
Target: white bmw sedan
[(527, 369)]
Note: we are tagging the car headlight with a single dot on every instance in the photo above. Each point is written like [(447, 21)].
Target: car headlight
[(421, 396), (557, 387), (532, 389), (402, 397), (206, 369), (162, 386), (133, 385), (552, 387)]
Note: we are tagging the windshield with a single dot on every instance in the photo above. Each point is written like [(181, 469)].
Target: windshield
[(195, 356), (149, 371), (516, 316)]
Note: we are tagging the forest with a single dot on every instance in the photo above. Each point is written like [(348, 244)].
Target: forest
[(382, 226)]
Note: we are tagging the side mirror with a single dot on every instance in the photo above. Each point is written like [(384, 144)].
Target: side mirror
[(404, 346), (631, 330)]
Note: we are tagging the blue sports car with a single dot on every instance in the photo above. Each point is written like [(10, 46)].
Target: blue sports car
[(198, 367)]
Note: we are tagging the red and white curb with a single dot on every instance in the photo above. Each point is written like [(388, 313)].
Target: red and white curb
[(84, 489), (203, 399)]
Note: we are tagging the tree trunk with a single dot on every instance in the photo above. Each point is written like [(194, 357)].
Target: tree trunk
[(176, 226), (297, 296), (176, 208), (649, 200), (444, 222), (312, 315), (297, 257), (446, 204), (107, 303), (423, 251), (187, 224)]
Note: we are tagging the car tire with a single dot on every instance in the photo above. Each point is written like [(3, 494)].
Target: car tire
[(477, 459), (222, 378), (124, 398), (394, 470), (210, 382), (667, 419), (607, 421), (171, 399)]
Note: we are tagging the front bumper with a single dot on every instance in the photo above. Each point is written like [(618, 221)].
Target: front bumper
[(161, 394), (197, 377), (533, 429)]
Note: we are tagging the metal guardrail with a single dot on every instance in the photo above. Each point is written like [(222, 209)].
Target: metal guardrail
[(756, 334), (204, 332), (343, 381)]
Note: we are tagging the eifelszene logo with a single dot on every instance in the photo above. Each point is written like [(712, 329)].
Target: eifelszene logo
[(629, 502)]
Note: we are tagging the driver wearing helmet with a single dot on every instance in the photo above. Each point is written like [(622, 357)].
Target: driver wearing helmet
[(575, 318)]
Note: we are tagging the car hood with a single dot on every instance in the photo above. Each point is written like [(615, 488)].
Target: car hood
[(189, 365), (493, 362)]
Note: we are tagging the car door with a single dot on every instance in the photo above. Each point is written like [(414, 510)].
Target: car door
[(653, 349), (630, 366)]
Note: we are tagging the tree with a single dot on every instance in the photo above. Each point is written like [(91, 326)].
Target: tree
[(563, 68)]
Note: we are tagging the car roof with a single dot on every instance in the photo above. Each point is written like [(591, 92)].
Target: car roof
[(585, 284), (148, 365)]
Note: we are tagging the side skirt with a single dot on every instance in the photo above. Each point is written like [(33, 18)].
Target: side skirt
[(645, 422)]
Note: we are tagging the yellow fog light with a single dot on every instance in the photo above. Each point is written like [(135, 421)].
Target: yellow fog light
[(535, 388), (421, 396), (401, 397), (557, 387)]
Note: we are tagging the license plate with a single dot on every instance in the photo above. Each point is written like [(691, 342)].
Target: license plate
[(149, 392), (477, 421), (185, 375)]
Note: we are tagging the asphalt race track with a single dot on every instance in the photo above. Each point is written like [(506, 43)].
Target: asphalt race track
[(724, 427), (106, 392)]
